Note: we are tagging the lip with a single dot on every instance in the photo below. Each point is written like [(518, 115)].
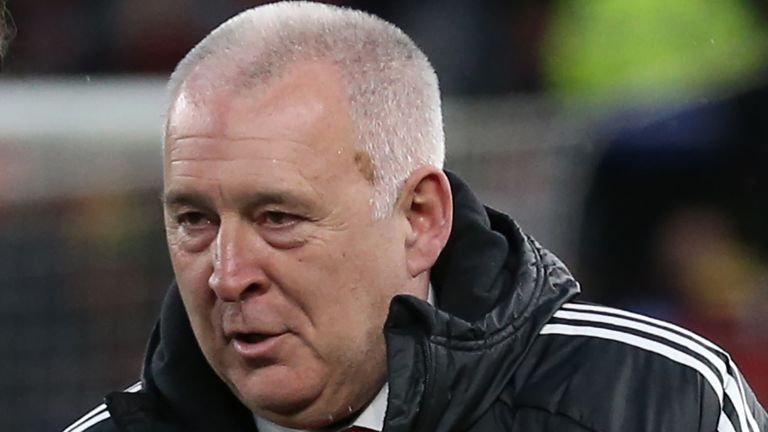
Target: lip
[(256, 346)]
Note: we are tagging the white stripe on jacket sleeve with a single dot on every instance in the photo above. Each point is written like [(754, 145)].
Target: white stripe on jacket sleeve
[(728, 383), (98, 414)]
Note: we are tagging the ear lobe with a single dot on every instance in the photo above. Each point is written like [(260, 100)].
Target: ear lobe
[(428, 206)]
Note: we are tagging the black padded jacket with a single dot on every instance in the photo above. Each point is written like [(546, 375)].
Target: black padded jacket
[(507, 349)]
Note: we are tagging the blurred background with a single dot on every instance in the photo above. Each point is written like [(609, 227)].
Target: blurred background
[(629, 137)]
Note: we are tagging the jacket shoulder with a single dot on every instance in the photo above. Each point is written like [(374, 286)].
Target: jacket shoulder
[(99, 419), (526, 419), (96, 420), (613, 370)]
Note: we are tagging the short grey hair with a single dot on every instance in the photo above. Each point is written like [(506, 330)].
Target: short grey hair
[(391, 87)]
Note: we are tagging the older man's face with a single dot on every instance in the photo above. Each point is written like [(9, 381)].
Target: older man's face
[(284, 274)]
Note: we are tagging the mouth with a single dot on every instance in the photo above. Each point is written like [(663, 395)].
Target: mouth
[(250, 338), (255, 346)]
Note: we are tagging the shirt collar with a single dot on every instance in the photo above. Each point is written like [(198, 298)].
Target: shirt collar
[(372, 416)]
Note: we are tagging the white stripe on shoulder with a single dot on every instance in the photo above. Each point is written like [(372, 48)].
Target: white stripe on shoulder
[(729, 381), (98, 414), (640, 342), (740, 384), (636, 316), (724, 423), (84, 419), (716, 361), (98, 418), (134, 388)]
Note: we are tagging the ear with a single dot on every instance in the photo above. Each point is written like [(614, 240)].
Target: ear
[(427, 204)]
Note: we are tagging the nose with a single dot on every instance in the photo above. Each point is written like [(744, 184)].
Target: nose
[(238, 256)]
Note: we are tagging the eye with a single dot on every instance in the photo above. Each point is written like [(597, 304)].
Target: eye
[(278, 219), (193, 220), (284, 230)]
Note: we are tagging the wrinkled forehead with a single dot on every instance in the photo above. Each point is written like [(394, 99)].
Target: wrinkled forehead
[(198, 102), (306, 105), (220, 97)]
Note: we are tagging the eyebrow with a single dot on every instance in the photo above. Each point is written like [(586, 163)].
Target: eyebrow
[(251, 200), (182, 198)]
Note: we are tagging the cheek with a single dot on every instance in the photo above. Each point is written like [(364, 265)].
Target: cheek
[(188, 265), (358, 272), (192, 241), (348, 298)]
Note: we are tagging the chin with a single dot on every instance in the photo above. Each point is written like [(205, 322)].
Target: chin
[(276, 391)]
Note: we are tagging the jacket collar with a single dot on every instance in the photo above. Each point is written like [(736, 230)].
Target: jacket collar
[(496, 287), (176, 369)]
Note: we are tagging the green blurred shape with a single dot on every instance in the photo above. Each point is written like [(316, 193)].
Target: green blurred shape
[(604, 49)]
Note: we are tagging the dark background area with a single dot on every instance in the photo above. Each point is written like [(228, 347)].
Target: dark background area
[(630, 137)]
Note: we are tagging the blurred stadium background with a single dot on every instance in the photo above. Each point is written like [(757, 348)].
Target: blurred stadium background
[(629, 137)]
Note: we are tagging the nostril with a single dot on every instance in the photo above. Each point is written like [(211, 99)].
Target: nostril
[(251, 290), (236, 288)]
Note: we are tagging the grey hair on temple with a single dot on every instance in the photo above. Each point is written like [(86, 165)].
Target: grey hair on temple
[(391, 87)]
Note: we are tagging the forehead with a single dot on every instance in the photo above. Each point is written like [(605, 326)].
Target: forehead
[(297, 130), (308, 97)]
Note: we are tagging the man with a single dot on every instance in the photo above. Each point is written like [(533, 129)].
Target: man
[(330, 275)]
